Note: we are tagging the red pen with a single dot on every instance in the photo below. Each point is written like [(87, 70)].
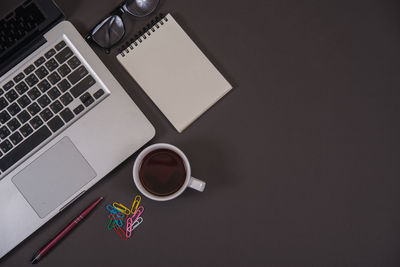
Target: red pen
[(40, 254)]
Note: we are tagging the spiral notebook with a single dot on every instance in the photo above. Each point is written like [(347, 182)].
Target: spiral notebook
[(173, 72)]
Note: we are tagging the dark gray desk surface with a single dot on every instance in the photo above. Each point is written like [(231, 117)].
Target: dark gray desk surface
[(301, 158)]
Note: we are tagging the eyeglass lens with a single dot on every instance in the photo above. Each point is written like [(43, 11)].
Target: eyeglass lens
[(111, 30), (140, 8)]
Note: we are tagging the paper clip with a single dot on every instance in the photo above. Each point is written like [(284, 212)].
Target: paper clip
[(111, 209), (121, 208), (120, 232), (124, 209), (131, 220), (136, 203), (116, 218), (133, 227)]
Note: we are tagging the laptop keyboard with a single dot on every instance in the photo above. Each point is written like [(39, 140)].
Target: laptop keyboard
[(18, 24), (41, 101)]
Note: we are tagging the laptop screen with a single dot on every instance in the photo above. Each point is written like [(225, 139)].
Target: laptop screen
[(21, 25)]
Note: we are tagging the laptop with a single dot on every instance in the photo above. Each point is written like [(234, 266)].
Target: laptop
[(65, 121)]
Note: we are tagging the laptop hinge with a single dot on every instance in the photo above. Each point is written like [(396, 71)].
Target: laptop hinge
[(17, 54), (23, 53)]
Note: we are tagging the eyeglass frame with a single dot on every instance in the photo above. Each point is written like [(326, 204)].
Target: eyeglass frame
[(118, 11)]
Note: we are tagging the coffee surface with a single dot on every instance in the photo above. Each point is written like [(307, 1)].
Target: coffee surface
[(162, 172)]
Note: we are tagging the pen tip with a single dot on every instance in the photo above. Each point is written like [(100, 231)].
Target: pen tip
[(35, 258)]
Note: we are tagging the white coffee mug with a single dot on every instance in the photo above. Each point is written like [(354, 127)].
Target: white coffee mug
[(189, 180)]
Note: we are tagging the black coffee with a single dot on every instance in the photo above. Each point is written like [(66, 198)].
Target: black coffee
[(162, 172)]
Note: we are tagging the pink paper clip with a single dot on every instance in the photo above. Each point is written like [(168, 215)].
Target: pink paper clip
[(131, 220), (133, 227)]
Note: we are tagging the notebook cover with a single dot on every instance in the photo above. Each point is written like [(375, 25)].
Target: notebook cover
[(174, 73)]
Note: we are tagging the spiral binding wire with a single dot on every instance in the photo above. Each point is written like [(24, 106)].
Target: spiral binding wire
[(140, 36)]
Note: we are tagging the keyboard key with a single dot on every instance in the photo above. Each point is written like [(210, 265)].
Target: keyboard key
[(23, 116), (74, 62), (4, 116), (44, 86), (4, 132), (56, 106), (21, 88), (64, 85), (98, 93), (79, 109), (55, 123), (26, 130), (67, 115), (41, 72), (29, 69), (15, 138), (43, 101), (60, 45), (31, 80), (13, 109), (64, 55), (24, 148), (50, 53), (23, 101), (64, 70), (54, 78), (13, 124), (1, 91), (82, 86), (36, 122), (33, 109), (3, 103), (5, 146), (77, 74), (51, 64), (19, 77), (11, 95), (34, 93), (86, 99), (66, 98), (39, 61), (8, 85), (46, 114), (53, 93)]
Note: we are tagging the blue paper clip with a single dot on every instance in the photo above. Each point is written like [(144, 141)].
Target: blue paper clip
[(116, 217)]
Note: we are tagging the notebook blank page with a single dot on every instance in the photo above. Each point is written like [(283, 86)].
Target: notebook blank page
[(175, 74)]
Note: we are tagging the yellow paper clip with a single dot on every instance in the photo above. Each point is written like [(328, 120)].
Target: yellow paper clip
[(136, 203), (121, 208), (124, 209)]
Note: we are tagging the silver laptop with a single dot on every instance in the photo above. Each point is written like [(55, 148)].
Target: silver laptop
[(65, 122)]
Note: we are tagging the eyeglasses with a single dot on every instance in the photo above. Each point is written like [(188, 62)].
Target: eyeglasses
[(110, 31)]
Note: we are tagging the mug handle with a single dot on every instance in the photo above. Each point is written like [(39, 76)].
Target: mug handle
[(197, 184)]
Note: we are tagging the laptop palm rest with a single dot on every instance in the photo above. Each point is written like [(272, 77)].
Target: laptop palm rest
[(54, 177)]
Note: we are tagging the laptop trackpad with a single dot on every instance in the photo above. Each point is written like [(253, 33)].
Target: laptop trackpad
[(54, 177)]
